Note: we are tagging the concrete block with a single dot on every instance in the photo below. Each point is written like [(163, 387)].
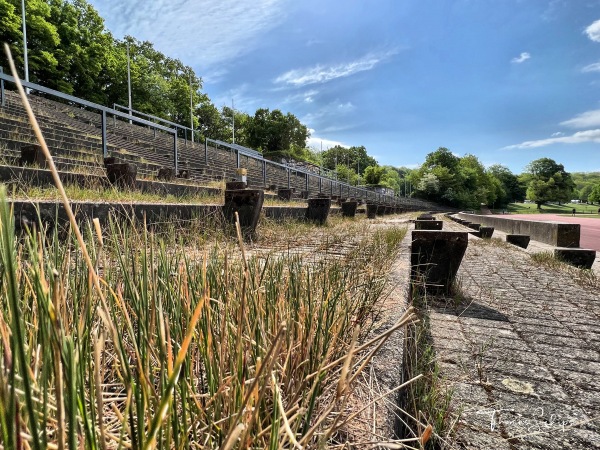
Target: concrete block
[(122, 174), (371, 210), (318, 210), (578, 257), (166, 174), (349, 208), (486, 232), (235, 185), (474, 226), (520, 240), (435, 259), (285, 194), (248, 204), (558, 234), (428, 224), (427, 216), (32, 155)]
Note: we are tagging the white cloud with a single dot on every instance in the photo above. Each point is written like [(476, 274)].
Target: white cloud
[(323, 74), (593, 31), (557, 134), (578, 138), (595, 67), (317, 143), (521, 58), (587, 119), (303, 97), (333, 109), (202, 33)]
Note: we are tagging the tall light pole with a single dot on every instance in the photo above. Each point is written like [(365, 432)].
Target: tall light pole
[(25, 42), (232, 122), (128, 79), (191, 106)]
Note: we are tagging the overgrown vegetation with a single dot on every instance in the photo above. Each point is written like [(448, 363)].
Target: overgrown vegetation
[(189, 342), (427, 399)]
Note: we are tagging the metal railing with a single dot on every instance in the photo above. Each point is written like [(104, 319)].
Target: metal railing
[(334, 186), (176, 126), (104, 112)]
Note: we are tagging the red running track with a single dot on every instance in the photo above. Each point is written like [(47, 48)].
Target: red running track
[(590, 228)]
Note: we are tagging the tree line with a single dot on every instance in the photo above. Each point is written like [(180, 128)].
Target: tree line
[(465, 182)]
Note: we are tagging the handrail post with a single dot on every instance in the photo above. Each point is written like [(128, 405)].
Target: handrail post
[(264, 173), (103, 126), (2, 99), (237, 159), (307, 176), (320, 184), (205, 151), (288, 174), (175, 152)]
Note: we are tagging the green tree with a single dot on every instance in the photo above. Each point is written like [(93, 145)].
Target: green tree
[(585, 192), (548, 181), (42, 38), (594, 196), (511, 190), (391, 178), (373, 175), (353, 157), (275, 133), (429, 185), (347, 174)]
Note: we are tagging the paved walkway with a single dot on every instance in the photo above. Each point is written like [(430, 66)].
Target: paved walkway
[(521, 351)]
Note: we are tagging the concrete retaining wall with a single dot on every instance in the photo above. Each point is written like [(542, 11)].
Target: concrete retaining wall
[(559, 234), (52, 212)]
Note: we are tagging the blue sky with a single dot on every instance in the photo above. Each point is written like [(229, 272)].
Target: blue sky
[(509, 81)]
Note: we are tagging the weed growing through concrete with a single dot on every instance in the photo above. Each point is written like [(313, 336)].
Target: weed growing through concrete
[(583, 277), (427, 400)]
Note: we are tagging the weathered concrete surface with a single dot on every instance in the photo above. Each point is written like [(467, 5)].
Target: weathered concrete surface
[(521, 351), (52, 212), (559, 234)]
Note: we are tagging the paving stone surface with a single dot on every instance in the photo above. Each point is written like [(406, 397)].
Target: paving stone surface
[(521, 351)]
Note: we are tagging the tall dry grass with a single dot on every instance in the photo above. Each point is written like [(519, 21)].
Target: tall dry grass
[(215, 351)]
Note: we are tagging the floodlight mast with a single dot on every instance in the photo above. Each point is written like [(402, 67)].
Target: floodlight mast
[(232, 122), (191, 106), (26, 60), (129, 80)]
